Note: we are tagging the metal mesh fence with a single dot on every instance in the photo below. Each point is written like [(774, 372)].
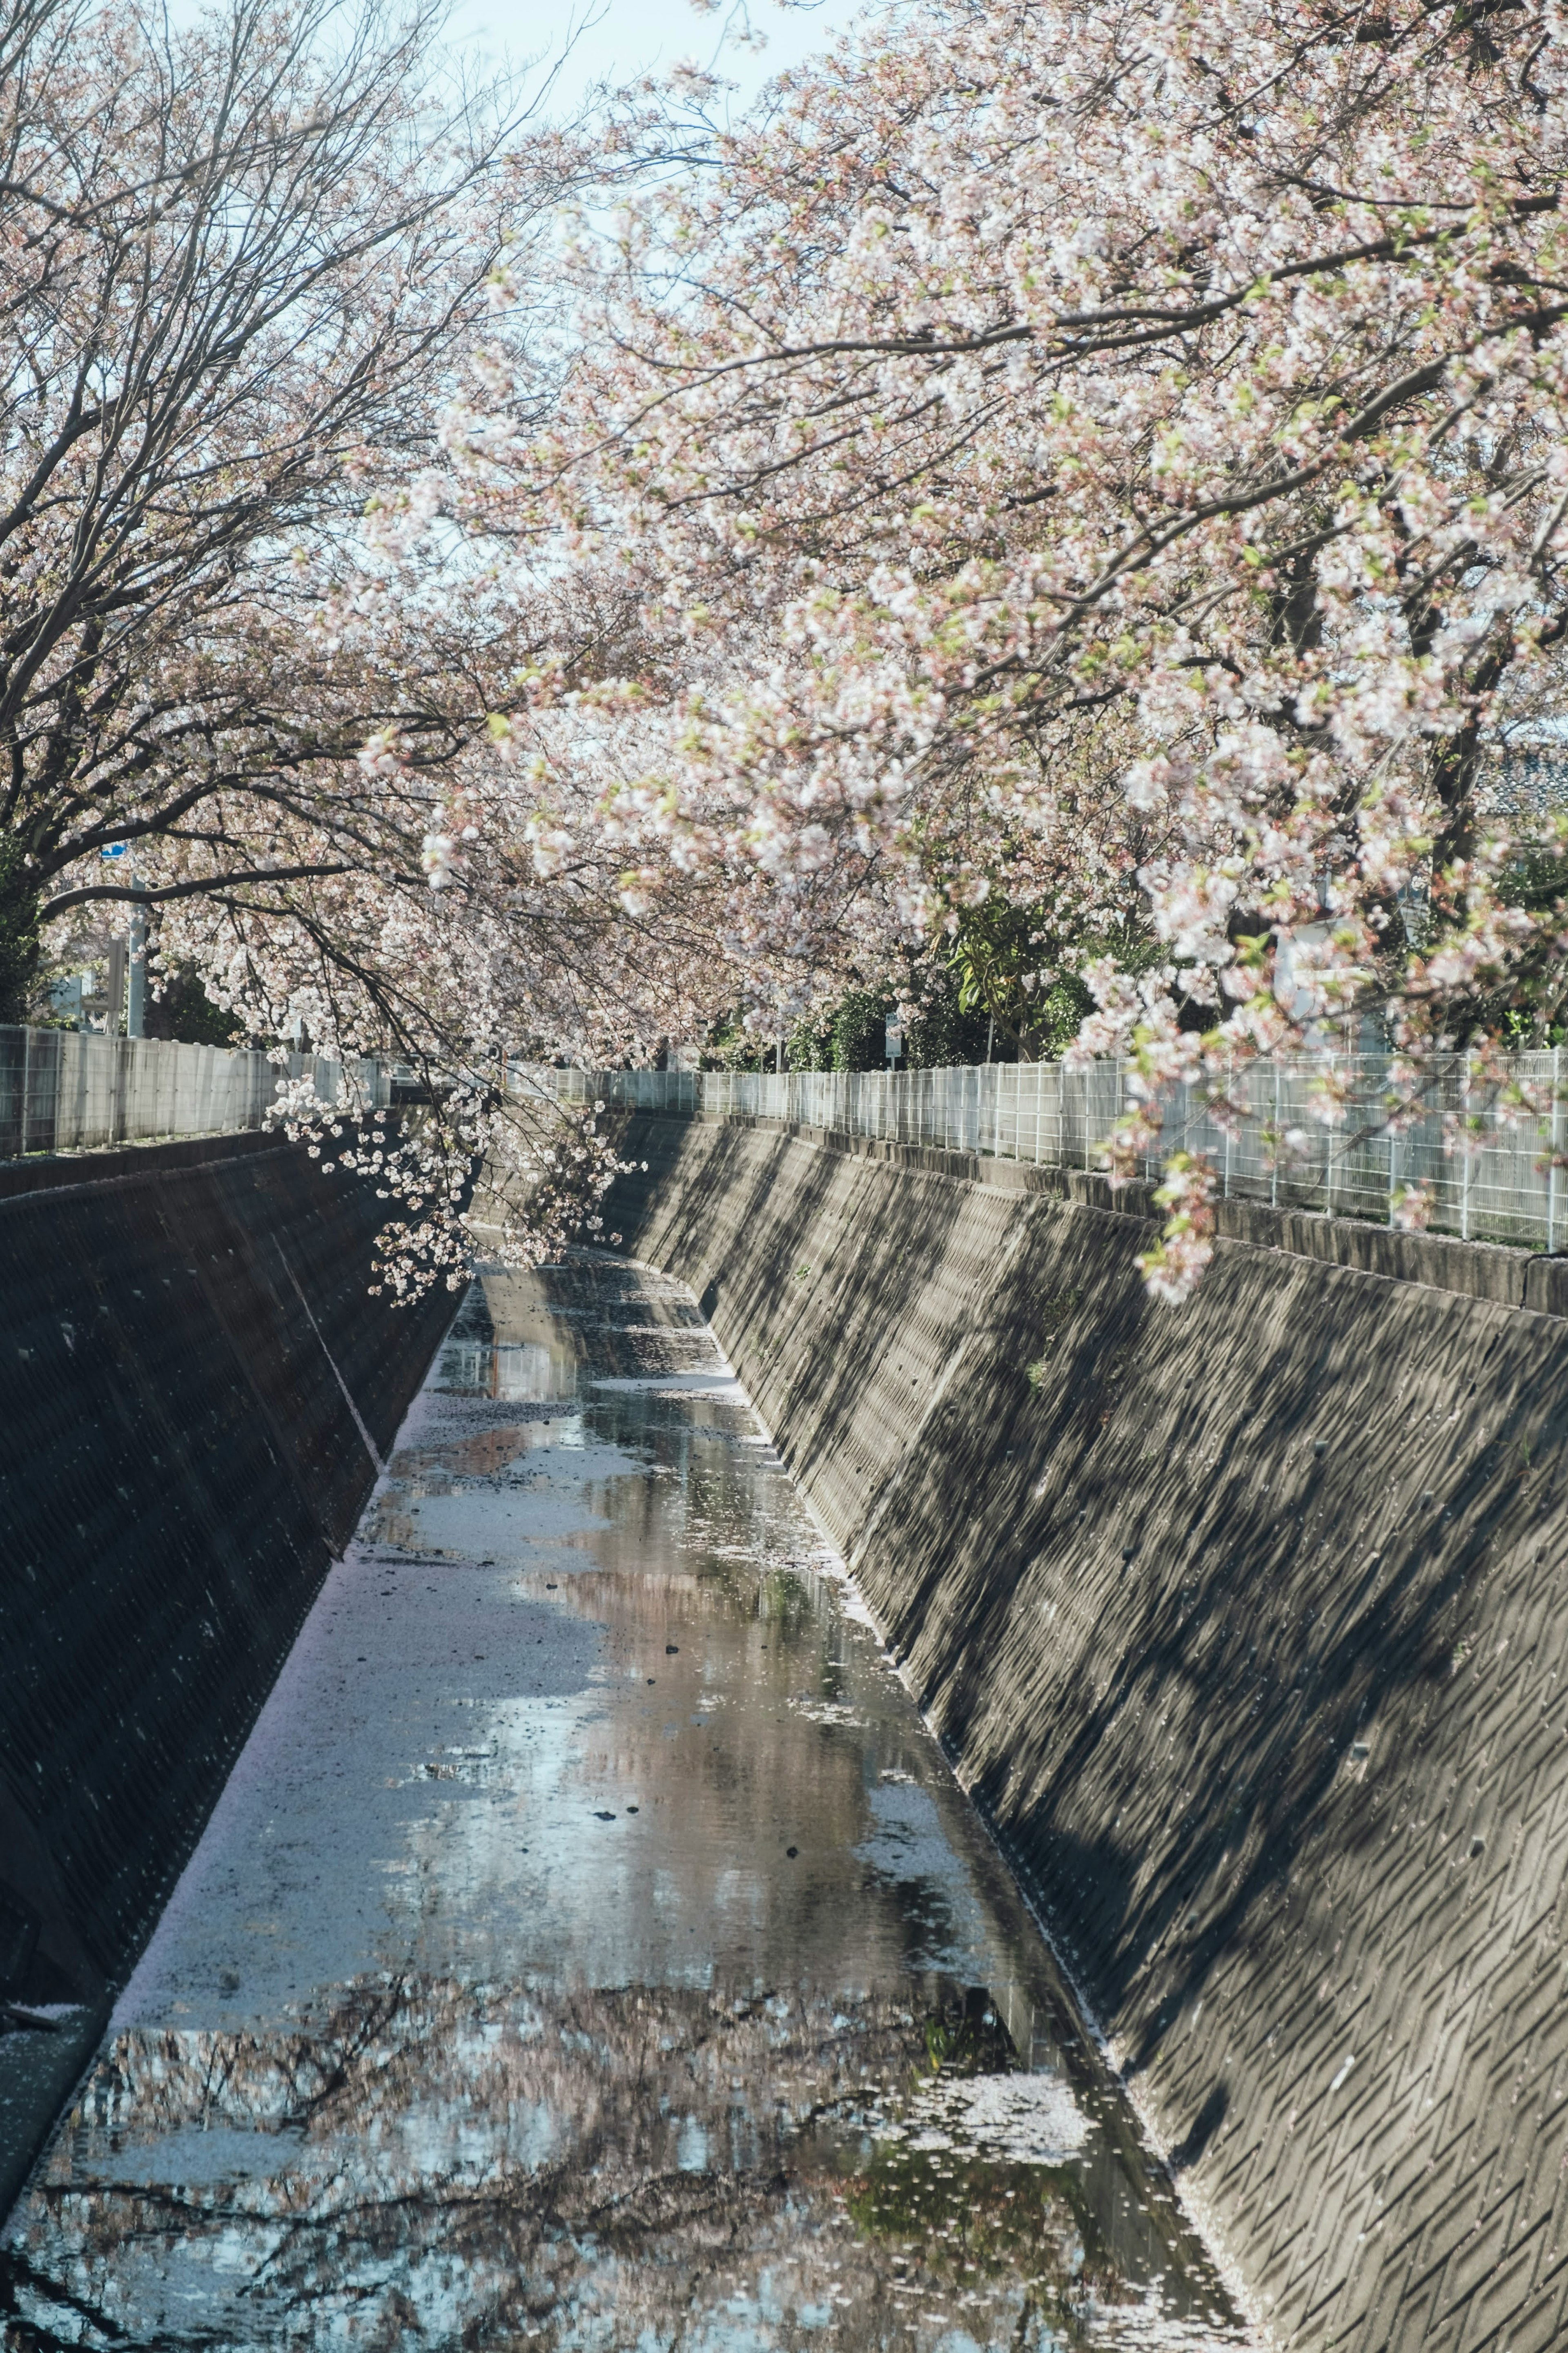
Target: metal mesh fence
[(66, 1090), (1491, 1176)]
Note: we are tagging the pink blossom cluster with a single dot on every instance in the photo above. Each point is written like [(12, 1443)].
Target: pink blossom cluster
[(1110, 460)]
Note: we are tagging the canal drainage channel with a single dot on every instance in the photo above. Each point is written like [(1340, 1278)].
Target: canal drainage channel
[(591, 1947)]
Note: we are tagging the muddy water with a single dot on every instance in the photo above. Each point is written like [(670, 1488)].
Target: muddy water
[(592, 1949)]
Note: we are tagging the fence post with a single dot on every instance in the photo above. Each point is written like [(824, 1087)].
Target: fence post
[(1465, 1169), (1551, 1164)]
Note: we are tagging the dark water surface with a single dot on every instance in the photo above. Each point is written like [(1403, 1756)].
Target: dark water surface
[(592, 1949)]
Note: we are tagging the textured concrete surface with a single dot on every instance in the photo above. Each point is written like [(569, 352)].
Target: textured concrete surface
[(1247, 1625), (181, 1338)]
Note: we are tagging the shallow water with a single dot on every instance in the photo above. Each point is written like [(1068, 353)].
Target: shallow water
[(592, 1949)]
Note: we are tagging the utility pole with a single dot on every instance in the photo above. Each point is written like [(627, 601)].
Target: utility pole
[(136, 988), (128, 959), (114, 989)]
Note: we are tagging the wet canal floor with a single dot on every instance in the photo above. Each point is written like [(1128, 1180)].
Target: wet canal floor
[(592, 1948)]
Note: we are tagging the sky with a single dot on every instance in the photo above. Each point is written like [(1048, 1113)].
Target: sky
[(618, 40)]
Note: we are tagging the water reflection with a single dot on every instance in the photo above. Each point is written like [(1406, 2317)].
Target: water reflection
[(591, 1948)]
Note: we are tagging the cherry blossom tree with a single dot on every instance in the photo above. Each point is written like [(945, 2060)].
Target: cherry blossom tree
[(242, 253), (239, 251), (1111, 460)]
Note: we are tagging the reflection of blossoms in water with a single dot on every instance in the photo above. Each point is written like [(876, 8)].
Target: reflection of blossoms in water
[(455, 2145), (826, 1711), (455, 2165), (1032, 2119)]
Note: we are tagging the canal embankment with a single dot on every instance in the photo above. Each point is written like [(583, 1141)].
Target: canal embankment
[(590, 1947), (195, 1385), (1244, 1624)]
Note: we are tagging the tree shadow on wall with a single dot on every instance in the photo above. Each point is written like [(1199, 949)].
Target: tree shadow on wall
[(760, 1241), (1193, 1592), (1157, 1478), (1201, 2131)]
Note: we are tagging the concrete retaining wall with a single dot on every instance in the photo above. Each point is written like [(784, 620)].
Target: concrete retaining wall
[(1246, 1623), (182, 1329)]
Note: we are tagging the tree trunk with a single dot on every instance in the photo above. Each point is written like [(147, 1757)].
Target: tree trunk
[(20, 944)]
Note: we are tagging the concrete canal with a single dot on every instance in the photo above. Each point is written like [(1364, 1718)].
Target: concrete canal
[(592, 1948)]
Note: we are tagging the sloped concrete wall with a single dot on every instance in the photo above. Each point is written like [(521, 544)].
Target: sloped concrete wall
[(182, 1330), (1246, 1623)]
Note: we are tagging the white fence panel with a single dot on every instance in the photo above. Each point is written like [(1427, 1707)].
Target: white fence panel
[(1489, 1177), (69, 1091)]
